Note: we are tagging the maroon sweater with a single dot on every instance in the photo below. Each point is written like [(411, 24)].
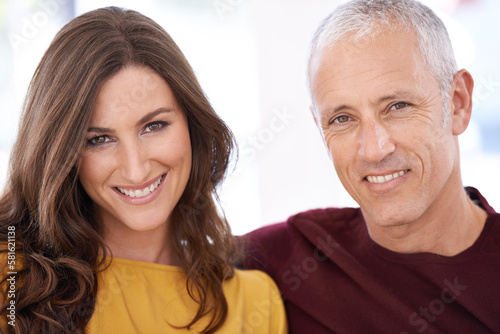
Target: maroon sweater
[(335, 279)]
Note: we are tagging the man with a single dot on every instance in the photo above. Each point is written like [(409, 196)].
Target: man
[(421, 254)]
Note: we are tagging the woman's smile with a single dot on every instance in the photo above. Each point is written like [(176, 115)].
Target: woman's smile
[(137, 160), (141, 194)]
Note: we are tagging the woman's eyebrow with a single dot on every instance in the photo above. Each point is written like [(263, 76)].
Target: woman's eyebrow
[(143, 120), (100, 130), (152, 114)]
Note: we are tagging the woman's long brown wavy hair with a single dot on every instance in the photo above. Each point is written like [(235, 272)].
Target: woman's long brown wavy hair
[(58, 238)]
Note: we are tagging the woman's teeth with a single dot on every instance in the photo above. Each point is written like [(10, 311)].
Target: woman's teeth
[(141, 193)]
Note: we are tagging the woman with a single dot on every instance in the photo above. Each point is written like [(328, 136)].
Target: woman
[(111, 194)]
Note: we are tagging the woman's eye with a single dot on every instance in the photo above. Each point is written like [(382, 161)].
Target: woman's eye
[(152, 127), (98, 140), (341, 119)]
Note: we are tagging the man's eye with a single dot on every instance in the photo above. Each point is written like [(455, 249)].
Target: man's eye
[(341, 119), (400, 105)]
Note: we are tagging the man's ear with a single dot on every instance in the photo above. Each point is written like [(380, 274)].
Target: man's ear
[(461, 98)]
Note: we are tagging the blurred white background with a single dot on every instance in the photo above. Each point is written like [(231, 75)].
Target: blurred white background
[(250, 58)]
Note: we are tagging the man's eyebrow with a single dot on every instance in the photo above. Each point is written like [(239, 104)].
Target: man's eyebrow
[(339, 108), (400, 94), (144, 119), (329, 112)]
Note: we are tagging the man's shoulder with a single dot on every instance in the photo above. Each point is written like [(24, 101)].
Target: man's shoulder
[(329, 219), (299, 233), (478, 199)]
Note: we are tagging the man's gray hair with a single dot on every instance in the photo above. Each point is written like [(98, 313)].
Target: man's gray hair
[(359, 19)]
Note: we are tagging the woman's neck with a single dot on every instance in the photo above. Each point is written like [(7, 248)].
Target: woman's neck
[(147, 246)]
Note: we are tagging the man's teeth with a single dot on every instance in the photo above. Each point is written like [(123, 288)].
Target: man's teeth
[(385, 178), (143, 192)]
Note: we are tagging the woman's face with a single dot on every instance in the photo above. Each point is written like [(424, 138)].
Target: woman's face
[(137, 157)]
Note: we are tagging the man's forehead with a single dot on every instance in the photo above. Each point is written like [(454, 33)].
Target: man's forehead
[(383, 45), (386, 65), (354, 43)]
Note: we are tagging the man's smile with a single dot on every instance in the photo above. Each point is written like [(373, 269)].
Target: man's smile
[(385, 178)]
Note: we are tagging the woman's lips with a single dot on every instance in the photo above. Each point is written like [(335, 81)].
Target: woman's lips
[(142, 194)]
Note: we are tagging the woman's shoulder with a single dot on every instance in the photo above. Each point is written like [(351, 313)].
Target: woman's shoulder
[(254, 278), (254, 299), (252, 282)]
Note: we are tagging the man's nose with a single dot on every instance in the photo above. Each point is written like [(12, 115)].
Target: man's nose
[(375, 142)]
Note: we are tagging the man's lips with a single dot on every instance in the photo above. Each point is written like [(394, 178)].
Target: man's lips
[(385, 178)]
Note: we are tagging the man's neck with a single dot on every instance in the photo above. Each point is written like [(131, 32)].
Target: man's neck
[(446, 232)]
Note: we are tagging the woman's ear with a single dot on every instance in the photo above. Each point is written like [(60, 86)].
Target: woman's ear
[(461, 98)]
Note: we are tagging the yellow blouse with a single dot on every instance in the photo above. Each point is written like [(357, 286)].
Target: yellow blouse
[(141, 297)]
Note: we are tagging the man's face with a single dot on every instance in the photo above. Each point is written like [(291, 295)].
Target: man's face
[(381, 115)]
